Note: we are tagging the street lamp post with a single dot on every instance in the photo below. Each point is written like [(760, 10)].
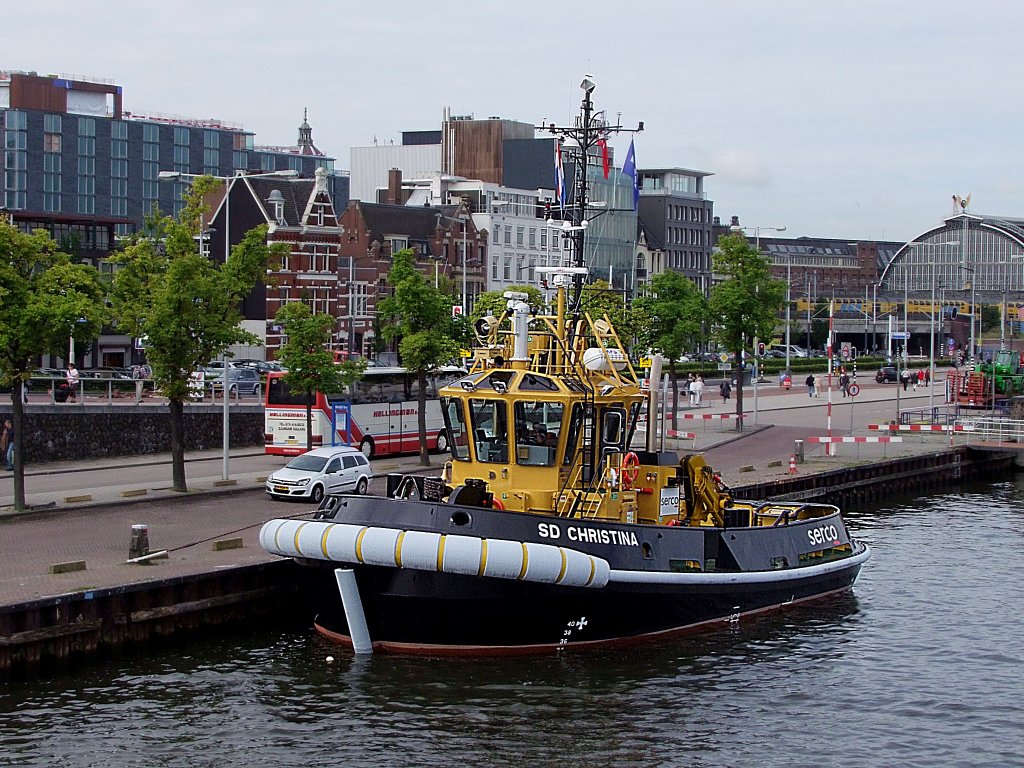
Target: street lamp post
[(789, 264), (464, 219), (228, 182)]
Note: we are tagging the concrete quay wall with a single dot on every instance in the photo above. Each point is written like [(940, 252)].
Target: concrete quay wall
[(73, 432), (50, 633)]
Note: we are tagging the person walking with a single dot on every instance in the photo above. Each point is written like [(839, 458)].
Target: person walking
[(697, 388), (690, 392), (73, 379), (905, 379), (725, 389), (7, 444), (810, 384), (844, 383)]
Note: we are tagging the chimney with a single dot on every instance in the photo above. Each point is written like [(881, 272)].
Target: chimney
[(394, 187)]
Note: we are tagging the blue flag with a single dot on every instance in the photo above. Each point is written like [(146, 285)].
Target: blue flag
[(559, 177), (629, 169)]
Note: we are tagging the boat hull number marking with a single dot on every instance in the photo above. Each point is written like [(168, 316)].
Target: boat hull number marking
[(587, 534), (823, 534)]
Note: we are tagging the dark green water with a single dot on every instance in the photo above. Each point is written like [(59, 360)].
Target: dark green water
[(922, 665)]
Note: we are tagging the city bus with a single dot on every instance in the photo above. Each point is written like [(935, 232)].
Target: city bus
[(379, 414)]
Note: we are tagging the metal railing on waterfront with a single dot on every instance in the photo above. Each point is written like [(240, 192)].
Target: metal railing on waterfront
[(988, 429), (107, 390)]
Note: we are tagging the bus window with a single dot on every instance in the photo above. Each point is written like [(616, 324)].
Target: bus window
[(279, 393), (490, 430)]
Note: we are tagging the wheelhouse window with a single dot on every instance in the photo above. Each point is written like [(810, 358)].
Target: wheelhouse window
[(538, 426), (455, 424), (490, 430)]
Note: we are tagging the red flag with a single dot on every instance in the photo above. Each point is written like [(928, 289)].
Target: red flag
[(603, 145)]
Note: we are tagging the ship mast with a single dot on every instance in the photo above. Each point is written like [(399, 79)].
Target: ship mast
[(583, 142)]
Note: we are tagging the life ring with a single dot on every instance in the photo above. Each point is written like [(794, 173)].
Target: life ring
[(496, 504), (630, 469)]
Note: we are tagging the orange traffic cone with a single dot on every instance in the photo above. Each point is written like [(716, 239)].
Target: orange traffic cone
[(792, 463)]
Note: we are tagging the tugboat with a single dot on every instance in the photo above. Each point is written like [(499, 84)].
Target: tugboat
[(547, 529)]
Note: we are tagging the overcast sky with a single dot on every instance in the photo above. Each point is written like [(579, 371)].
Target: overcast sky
[(852, 119)]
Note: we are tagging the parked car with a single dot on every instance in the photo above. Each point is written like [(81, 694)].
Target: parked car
[(319, 472), (886, 374), (260, 366), (240, 381)]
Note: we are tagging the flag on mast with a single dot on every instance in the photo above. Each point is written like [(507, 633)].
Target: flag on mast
[(629, 169), (559, 176)]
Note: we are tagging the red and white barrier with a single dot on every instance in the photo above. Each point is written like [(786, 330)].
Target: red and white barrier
[(709, 416), (832, 440), (681, 435), (923, 427)]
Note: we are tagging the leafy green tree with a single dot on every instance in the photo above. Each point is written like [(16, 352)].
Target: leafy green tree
[(186, 305), (419, 318), (310, 364), (45, 299), (745, 304), (991, 317), (675, 314)]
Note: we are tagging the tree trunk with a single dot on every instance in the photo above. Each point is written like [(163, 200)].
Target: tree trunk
[(675, 390), (421, 417), (18, 421), (739, 390), (177, 445)]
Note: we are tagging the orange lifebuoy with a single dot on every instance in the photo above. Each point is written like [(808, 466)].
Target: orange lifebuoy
[(496, 504), (630, 469)]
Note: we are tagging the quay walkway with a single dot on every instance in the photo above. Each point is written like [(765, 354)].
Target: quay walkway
[(83, 512)]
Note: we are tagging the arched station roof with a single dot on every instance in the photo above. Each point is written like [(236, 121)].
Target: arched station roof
[(968, 252)]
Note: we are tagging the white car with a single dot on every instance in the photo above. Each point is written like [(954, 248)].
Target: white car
[(319, 472)]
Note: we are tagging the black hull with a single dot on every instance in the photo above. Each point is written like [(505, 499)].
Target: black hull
[(443, 614), (628, 582)]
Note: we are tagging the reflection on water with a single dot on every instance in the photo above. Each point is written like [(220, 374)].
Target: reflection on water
[(921, 665)]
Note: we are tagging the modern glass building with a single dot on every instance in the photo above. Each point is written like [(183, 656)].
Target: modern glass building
[(73, 153)]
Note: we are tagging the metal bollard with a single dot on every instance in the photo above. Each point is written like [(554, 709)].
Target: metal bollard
[(798, 451), (139, 545)]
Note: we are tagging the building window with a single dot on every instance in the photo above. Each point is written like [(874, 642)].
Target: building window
[(151, 133), (181, 158), (506, 270), (239, 161), (495, 236), (520, 234), (295, 164), (211, 138), (533, 237), (181, 137), (267, 162), (51, 142), (52, 123), (543, 238), (211, 161)]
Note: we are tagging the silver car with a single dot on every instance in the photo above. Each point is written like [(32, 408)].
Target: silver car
[(320, 472)]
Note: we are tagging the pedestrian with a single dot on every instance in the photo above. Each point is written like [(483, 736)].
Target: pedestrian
[(817, 386), (698, 389), (920, 377), (725, 389), (905, 379), (810, 384), (844, 384), (73, 379), (137, 375), (7, 444), (690, 392), (928, 375)]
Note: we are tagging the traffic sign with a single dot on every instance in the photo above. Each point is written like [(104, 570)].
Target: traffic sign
[(725, 366), (900, 335), (853, 390)]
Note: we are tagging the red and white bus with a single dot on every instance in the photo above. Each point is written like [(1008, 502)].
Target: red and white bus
[(379, 414)]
